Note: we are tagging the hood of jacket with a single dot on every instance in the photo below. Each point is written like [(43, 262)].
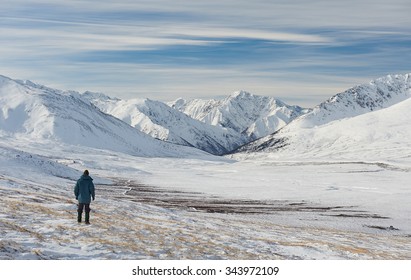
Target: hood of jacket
[(85, 177)]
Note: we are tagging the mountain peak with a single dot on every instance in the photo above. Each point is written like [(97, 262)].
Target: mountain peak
[(394, 78), (240, 94), (97, 95)]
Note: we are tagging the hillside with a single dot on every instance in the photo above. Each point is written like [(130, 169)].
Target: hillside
[(39, 113), (160, 121), (371, 119)]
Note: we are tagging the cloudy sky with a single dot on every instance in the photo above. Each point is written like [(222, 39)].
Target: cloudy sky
[(299, 51)]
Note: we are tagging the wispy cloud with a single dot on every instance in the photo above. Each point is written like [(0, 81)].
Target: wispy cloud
[(162, 49)]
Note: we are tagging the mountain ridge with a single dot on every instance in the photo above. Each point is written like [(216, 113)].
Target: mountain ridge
[(215, 126), (252, 115), (163, 122), (378, 94), (42, 113)]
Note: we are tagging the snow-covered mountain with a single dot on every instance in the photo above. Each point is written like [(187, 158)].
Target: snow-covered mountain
[(378, 94), (165, 123), (252, 115), (216, 126), (370, 117), (86, 119), (41, 113)]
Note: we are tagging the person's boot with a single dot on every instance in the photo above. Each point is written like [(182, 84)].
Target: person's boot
[(79, 214), (87, 218)]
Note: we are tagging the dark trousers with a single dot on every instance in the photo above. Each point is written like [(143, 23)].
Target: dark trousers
[(81, 206)]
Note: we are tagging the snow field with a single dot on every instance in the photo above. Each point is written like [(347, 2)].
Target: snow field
[(39, 216)]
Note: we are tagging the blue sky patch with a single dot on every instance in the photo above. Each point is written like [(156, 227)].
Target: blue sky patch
[(163, 50)]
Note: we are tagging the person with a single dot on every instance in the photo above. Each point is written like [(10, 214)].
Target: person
[(84, 192)]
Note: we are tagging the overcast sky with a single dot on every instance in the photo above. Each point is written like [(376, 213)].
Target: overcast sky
[(301, 52)]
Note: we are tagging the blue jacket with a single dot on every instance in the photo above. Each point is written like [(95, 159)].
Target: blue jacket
[(84, 189)]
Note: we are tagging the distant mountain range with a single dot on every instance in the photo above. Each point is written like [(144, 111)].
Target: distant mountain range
[(44, 114), (165, 123), (242, 122), (251, 115), (217, 127)]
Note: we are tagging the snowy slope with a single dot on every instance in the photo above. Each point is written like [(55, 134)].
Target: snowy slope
[(160, 121), (14, 162), (369, 121), (157, 208), (378, 94), (41, 113), (252, 115), (378, 136)]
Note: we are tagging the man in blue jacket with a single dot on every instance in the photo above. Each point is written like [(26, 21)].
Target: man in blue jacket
[(84, 191)]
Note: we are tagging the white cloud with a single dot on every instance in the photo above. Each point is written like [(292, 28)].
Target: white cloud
[(224, 33), (38, 35)]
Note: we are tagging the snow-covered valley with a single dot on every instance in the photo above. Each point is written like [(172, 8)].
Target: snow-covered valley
[(337, 190), (199, 209)]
